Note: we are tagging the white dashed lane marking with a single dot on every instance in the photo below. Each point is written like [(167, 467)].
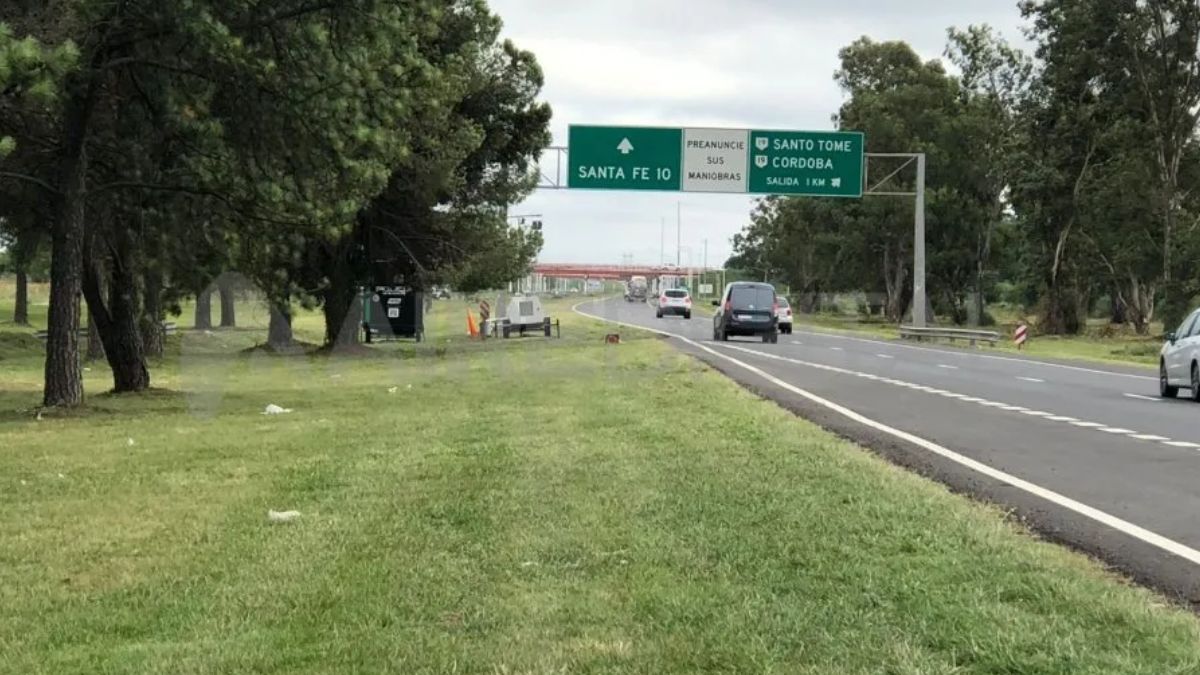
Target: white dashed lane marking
[(885, 356), (1095, 514), (1048, 416), (1144, 398)]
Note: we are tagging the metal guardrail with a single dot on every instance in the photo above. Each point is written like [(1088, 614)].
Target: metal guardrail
[(973, 336)]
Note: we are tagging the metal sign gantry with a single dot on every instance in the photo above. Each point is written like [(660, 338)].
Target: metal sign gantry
[(557, 158)]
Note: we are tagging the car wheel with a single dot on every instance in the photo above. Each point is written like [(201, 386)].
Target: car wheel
[(1195, 383), (724, 336), (687, 315), (1165, 389), (658, 314)]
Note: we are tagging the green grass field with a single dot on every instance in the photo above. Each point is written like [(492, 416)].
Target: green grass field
[(517, 507)]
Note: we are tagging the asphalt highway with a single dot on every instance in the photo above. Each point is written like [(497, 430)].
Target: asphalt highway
[(1093, 436)]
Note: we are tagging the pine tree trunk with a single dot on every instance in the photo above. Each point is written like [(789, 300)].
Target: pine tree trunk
[(279, 331), (152, 314), (21, 310), (204, 310), (228, 309), (95, 347), (118, 325), (63, 385), (342, 310)]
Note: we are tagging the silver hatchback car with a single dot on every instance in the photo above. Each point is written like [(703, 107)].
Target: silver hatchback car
[(1179, 362)]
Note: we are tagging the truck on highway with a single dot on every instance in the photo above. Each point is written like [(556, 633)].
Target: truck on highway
[(636, 289)]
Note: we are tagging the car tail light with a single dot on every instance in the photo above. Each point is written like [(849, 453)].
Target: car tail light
[(787, 312), (727, 306), (662, 300), (775, 308), (687, 301)]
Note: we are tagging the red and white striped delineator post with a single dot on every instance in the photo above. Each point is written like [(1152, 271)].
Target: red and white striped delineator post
[(1020, 335)]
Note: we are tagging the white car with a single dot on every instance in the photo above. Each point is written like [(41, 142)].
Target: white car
[(783, 314), (1179, 365), (675, 301)]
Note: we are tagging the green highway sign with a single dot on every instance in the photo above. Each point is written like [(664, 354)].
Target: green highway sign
[(817, 163), (623, 158), (827, 164)]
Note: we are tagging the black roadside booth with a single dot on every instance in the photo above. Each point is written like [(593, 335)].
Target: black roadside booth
[(393, 313)]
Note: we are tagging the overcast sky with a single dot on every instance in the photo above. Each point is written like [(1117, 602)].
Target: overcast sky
[(727, 63)]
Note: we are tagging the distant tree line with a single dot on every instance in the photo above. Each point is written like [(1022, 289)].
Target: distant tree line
[(151, 145), (1064, 177)]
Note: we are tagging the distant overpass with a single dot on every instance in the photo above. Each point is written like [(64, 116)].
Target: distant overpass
[(590, 271)]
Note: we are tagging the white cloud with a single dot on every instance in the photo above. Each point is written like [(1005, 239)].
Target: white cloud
[(720, 63)]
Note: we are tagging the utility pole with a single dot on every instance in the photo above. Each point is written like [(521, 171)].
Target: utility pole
[(706, 255), (918, 312), (662, 241), (678, 230)]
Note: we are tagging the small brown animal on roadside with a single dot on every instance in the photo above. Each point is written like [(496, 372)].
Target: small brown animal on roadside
[(612, 339)]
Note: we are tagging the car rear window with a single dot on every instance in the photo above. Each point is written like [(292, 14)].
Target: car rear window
[(783, 303), (676, 294), (753, 297)]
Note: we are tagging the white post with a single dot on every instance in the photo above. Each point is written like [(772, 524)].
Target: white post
[(918, 313), (678, 231)]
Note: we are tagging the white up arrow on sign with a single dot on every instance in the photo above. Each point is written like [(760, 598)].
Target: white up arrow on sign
[(625, 147)]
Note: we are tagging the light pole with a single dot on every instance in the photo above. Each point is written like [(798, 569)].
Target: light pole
[(662, 241), (678, 230)]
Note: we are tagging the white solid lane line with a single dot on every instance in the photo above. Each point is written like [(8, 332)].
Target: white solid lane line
[(837, 349), (967, 354), (885, 356), (1031, 379), (1152, 538), (947, 367), (1145, 398)]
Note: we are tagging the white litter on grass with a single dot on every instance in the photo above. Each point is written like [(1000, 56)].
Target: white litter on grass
[(273, 409), (62, 476), (282, 516), (409, 387), (335, 377), (392, 390), (24, 482), (39, 416), (87, 370), (131, 442)]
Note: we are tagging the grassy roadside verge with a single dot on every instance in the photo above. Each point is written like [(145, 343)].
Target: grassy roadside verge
[(523, 508)]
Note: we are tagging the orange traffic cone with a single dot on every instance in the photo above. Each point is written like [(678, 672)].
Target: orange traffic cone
[(471, 329)]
